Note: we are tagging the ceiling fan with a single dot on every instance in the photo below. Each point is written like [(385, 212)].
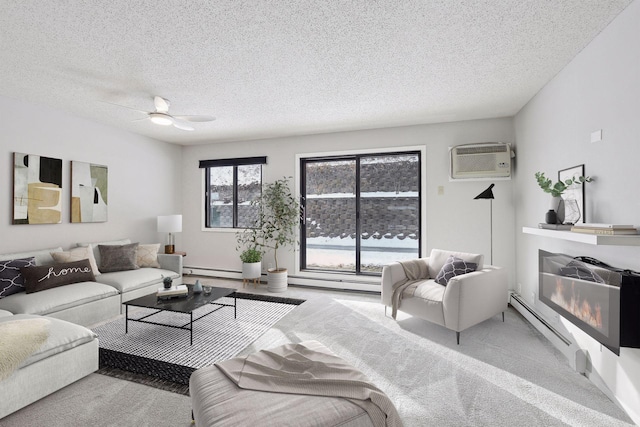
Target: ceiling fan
[(162, 117)]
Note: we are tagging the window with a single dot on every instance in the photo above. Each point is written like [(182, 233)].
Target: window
[(360, 211), (230, 187)]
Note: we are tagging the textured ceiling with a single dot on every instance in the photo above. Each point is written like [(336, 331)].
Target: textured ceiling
[(277, 68)]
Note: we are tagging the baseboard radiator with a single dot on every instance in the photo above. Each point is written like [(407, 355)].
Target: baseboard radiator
[(518, 299), (337, 283)]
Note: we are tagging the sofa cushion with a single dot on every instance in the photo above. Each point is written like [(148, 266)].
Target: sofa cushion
[(147, 255), (77, 254), (11, 279), (96, 251), (5, 313), (54, 300), (118, 257), (429, 290), (40, 278), (43, 256), (125, 281), (454, 267), (438, 257), (62, 336), (19, 339)]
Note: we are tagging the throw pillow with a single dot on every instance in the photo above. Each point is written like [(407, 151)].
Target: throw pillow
[(11, 280), (77, 254), (118, 257), (454, 267), (147, 255), (578, 270), (40, 278)]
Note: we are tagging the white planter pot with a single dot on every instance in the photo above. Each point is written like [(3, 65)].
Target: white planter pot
[(251, 270), (277, 280)]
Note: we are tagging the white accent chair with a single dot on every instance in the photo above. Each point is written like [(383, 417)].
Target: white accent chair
[(467, 300)]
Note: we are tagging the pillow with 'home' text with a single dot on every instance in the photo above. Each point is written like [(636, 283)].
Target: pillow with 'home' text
[(40, 278)]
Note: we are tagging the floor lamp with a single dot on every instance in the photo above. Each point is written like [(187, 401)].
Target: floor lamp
[(488, 194)]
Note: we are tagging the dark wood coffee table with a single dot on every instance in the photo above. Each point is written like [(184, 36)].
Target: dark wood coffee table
[(185, 305)]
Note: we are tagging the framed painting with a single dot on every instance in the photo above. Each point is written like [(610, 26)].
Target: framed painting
[(573, 196), (89, 190), (37, 189)]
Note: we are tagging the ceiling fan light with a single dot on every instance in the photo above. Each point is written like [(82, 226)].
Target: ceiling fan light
[(161, 119)]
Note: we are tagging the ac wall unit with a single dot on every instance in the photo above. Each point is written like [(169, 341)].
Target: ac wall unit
[(489, 160)]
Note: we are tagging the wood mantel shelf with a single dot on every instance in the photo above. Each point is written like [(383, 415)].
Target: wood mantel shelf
[(590, 239)]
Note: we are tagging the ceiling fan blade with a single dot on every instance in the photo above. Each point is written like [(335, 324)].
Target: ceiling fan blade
[(162, 105), (124, 106), (181, 126), (196, 118), (139, 120)]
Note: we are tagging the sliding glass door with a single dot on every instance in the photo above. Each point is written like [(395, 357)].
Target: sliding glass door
[(361, 212)]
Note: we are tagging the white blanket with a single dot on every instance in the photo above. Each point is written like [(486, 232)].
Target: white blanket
[(19, 339), (310, 368), (415, 270)]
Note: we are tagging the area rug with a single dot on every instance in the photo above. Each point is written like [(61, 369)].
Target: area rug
[(162, 357)]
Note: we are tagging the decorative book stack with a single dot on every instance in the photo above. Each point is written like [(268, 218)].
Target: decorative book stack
[(173, 292), (565, 227), (605, 229)]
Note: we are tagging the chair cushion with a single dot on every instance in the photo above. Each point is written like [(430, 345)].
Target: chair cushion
[(438, 257), (452, 268), (5, 313), (54, 300), (125, 281)]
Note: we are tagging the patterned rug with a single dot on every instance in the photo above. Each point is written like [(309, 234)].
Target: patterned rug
[(162, 357)]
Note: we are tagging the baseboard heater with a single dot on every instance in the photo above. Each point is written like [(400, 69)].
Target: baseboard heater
[(312, 282), (540, 319)]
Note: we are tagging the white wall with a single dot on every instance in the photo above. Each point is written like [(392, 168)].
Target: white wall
[(599, 89), (144, 176), (454, 220)]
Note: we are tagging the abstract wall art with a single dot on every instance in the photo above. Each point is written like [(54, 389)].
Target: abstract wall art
[(89, 185), (37, 189)]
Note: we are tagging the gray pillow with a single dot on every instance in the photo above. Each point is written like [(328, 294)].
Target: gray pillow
[(118, 257), (40, 278), (454, 267), (11, 280)]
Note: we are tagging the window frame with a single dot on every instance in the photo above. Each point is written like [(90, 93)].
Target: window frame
[(357, 156), (234, 163)]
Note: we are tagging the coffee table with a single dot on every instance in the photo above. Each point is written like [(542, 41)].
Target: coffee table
[(185, 305)]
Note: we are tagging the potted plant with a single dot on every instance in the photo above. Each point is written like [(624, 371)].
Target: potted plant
[(556, 189), (251, 265), (274, 227)]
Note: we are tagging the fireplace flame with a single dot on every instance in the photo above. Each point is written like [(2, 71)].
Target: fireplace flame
[(576, 305)]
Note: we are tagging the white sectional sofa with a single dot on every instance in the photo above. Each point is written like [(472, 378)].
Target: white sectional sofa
[(71, 350), (69, 353)]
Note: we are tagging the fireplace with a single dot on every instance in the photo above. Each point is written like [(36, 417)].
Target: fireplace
[(603, 302)]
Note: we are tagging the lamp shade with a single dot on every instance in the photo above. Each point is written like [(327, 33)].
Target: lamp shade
[(486, 194), (170, 224)]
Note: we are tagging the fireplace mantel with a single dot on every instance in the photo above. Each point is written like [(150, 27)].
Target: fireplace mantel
[(591, 239)]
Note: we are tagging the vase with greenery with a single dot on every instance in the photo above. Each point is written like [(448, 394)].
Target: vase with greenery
[(277, 217), (556, 189)]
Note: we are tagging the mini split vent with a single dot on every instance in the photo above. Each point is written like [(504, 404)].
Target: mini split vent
[(489, 160)]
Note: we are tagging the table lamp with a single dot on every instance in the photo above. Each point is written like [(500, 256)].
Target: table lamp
[(170, 224)]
